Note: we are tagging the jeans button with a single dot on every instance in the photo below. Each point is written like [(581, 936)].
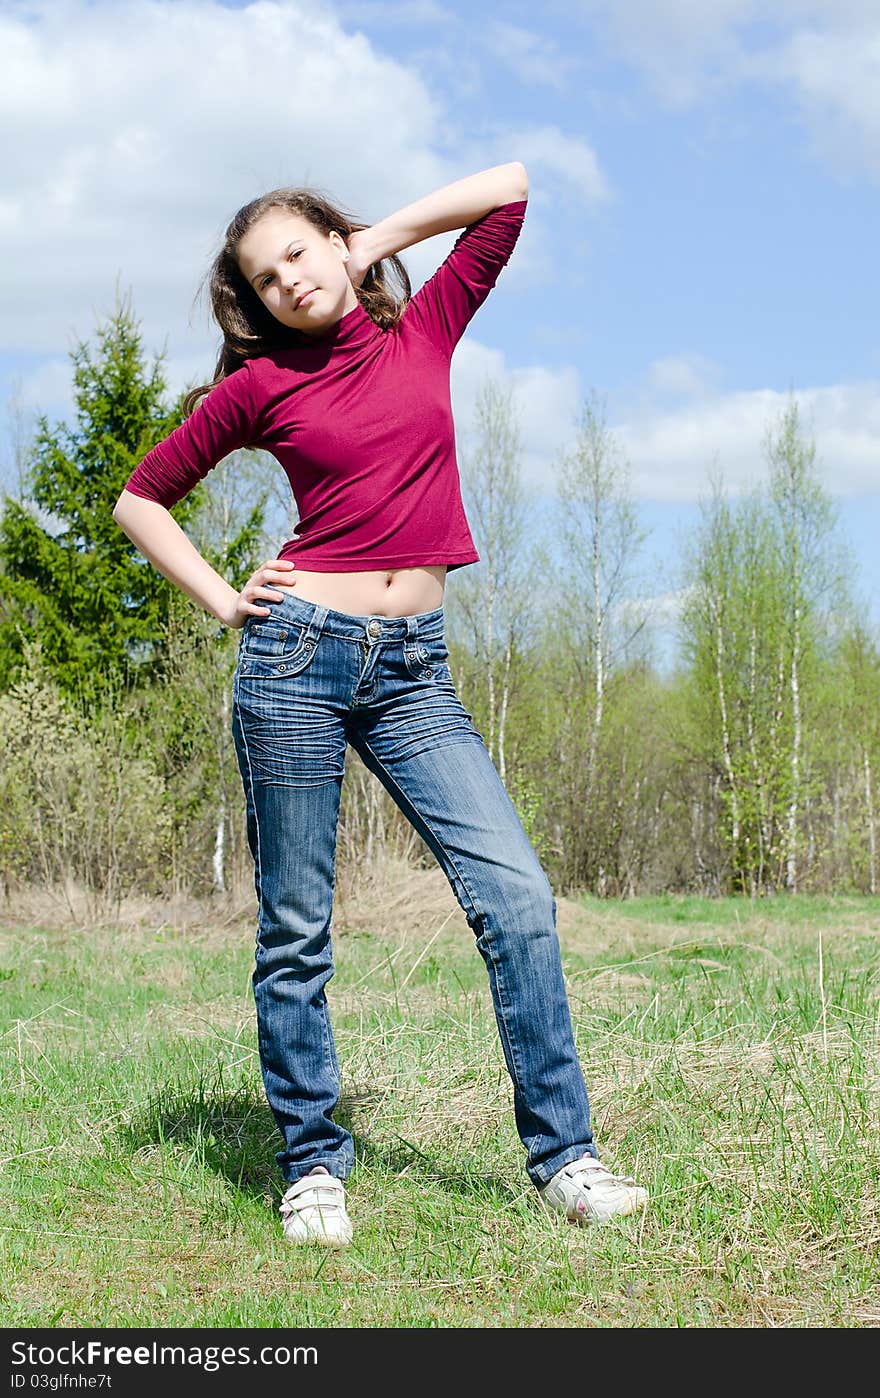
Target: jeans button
[(374, 628)]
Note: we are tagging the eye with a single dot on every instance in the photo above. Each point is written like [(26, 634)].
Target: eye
[(266, 280)]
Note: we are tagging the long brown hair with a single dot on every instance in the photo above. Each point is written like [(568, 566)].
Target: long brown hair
[(249, 329)]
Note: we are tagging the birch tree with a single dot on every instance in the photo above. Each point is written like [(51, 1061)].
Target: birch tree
[(497, 598), (805, 522), (598, 536), (597, 539), (734, 639), (859, 677), (764, 581)]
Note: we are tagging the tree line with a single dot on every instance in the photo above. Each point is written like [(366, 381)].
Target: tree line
[(747, 766)]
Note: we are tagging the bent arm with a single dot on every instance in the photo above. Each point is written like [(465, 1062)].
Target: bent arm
[(454, 206), (161, 540)]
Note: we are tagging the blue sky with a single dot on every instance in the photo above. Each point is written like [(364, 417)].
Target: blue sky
[(700, 240)]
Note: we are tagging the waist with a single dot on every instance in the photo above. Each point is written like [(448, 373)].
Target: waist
[(390, 592), (355, 626)]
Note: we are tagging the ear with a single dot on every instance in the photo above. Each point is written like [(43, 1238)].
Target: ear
[(340, 243)]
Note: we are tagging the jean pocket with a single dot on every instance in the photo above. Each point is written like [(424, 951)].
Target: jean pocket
[(273, 647), (271, 639), (426, 660)]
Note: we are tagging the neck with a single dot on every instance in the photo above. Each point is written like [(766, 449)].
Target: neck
[(350, 303)]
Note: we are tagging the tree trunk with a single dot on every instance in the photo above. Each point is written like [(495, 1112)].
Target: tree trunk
[(872, 834), (791, 869)]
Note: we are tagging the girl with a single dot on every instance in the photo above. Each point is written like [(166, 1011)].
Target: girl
[(342, 642)]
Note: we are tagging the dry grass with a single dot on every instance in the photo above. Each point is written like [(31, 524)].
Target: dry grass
[(138, 1170)]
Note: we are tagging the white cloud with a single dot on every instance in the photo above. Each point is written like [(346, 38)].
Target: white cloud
[(397, 13), (836, 77), (672, 453), (141, 125), (683, 376), (686, 48), (672, 447), (666, 607), (532, 57), (571, 160), (546, 402), (48, 389), (824, 53), (660, 610)]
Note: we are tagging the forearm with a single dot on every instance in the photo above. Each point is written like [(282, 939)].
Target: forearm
[(454, 206), (161, 540)]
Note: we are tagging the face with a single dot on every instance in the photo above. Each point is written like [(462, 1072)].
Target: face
[(284, 258)]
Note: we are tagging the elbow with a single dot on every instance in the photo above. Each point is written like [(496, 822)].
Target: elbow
[(131, 505), (122, 508)]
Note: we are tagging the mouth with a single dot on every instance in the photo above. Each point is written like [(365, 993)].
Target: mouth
[(302, 300)]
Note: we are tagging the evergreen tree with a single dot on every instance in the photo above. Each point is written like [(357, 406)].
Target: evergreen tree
[(71, 576)]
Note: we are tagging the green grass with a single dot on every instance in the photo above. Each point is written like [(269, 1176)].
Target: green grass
[(740, 912), (139, 1186)]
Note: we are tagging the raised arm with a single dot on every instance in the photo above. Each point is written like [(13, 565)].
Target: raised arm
[(454, 206)]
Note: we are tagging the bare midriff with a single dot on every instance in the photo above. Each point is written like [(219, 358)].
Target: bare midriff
[(376, 592)]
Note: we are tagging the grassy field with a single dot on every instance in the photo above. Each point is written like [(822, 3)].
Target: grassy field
[(731, 1052)]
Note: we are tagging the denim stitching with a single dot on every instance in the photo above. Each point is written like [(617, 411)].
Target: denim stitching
[(427, 631), (468, 900), (435, 841), (330, 1061), (236, 699)]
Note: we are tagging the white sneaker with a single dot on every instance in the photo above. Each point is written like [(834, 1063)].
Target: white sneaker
[(586, 1192), (313, 1210)]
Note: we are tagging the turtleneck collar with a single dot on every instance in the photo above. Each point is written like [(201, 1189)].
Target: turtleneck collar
[(351, 331)]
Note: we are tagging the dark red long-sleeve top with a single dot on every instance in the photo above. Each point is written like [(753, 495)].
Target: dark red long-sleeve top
[(360, 419)]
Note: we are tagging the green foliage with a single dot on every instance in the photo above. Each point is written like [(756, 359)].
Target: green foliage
[(755, 630), (80, 797), (752, 770), (526, 797), (597, 538), (188, 714), (849, 759), (72, 578)]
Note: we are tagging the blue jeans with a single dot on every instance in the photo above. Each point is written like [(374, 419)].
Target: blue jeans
[(308, 681)]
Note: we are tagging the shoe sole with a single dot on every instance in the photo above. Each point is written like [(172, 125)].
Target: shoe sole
[(592, 1220), (313, 1240)]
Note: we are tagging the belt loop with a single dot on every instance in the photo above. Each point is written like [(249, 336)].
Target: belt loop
[(412, 628), (316, 624)]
